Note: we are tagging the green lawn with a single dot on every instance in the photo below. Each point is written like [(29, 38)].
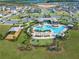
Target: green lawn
[(8, 49), (4, 29), (15, 17), (42, 42)]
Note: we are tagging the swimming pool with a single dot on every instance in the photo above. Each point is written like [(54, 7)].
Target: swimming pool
[(56, 30)]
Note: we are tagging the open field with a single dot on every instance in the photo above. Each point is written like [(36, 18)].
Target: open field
[(8, 50)]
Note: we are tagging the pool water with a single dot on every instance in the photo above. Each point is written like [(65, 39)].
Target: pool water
[(56, 30)]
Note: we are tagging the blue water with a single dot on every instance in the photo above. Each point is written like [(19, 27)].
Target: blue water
[(56, 30)]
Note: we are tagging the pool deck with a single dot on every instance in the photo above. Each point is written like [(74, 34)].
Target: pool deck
[(52, 37), (43, 35)]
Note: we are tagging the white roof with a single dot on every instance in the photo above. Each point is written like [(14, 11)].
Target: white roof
[(16, 28)]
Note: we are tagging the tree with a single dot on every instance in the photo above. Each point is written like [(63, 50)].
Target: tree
[(76, 26)]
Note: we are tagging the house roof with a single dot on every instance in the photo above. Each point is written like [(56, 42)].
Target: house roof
[(27, 19), (11, 22), (42, 19)]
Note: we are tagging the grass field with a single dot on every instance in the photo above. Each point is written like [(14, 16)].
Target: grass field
[(4, 29), (42, 42), (8, 49)]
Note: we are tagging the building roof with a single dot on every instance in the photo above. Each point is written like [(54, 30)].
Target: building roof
[(27, 19), (55, 17), (42, 19), (12, 7), (16, 28), (11, 22)]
